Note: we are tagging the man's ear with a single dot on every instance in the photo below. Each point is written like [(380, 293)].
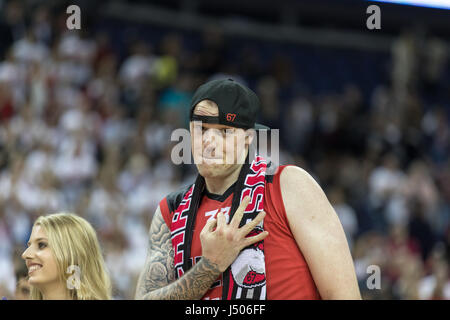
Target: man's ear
[(250, 134)]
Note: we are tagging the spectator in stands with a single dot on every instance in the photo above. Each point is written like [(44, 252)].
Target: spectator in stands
[(68, 99), (23, 288)]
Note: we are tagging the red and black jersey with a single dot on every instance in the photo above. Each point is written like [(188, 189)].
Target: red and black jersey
[(287, 273)]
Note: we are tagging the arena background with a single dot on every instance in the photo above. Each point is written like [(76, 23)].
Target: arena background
[(86, 117)]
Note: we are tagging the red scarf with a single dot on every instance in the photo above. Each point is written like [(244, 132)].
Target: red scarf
[(246, 277)]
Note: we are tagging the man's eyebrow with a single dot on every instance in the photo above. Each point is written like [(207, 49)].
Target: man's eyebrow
[(38, 239)]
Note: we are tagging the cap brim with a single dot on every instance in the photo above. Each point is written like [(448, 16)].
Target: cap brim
[(259, 126)]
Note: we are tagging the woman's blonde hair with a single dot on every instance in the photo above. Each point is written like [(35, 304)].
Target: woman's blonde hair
[(75, 247)]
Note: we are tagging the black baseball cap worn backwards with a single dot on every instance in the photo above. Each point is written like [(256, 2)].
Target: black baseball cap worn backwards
[(238, 105)]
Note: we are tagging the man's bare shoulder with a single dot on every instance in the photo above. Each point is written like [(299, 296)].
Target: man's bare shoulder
[(301, 192), (297, 179)]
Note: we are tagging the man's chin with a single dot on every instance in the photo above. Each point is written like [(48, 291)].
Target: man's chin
[(213, 161), (212, 170)]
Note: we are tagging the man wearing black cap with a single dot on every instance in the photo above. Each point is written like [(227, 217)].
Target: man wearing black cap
[(239, 232)]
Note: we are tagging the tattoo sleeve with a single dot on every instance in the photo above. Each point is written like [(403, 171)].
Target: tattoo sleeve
[(157, 280)]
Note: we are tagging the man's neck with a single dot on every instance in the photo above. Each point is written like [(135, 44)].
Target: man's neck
[(221, 184)]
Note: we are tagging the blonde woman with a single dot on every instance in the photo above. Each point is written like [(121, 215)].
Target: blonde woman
[(64, 260)]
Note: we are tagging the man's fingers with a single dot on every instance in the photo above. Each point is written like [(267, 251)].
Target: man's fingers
[(237, 217), (252, 224), (221, 219), (210, 225), (251, 240)]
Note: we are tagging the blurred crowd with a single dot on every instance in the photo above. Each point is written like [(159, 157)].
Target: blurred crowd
[(86, 128)]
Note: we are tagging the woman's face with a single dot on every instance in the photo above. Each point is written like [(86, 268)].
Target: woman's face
[(40, 261)]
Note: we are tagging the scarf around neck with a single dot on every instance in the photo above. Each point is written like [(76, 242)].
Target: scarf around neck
[(246, 277)]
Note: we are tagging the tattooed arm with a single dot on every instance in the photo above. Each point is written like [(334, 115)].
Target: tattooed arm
[(221, 244), (157, 280)]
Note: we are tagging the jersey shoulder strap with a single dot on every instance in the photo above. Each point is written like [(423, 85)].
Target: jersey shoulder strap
[(170, 203)]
